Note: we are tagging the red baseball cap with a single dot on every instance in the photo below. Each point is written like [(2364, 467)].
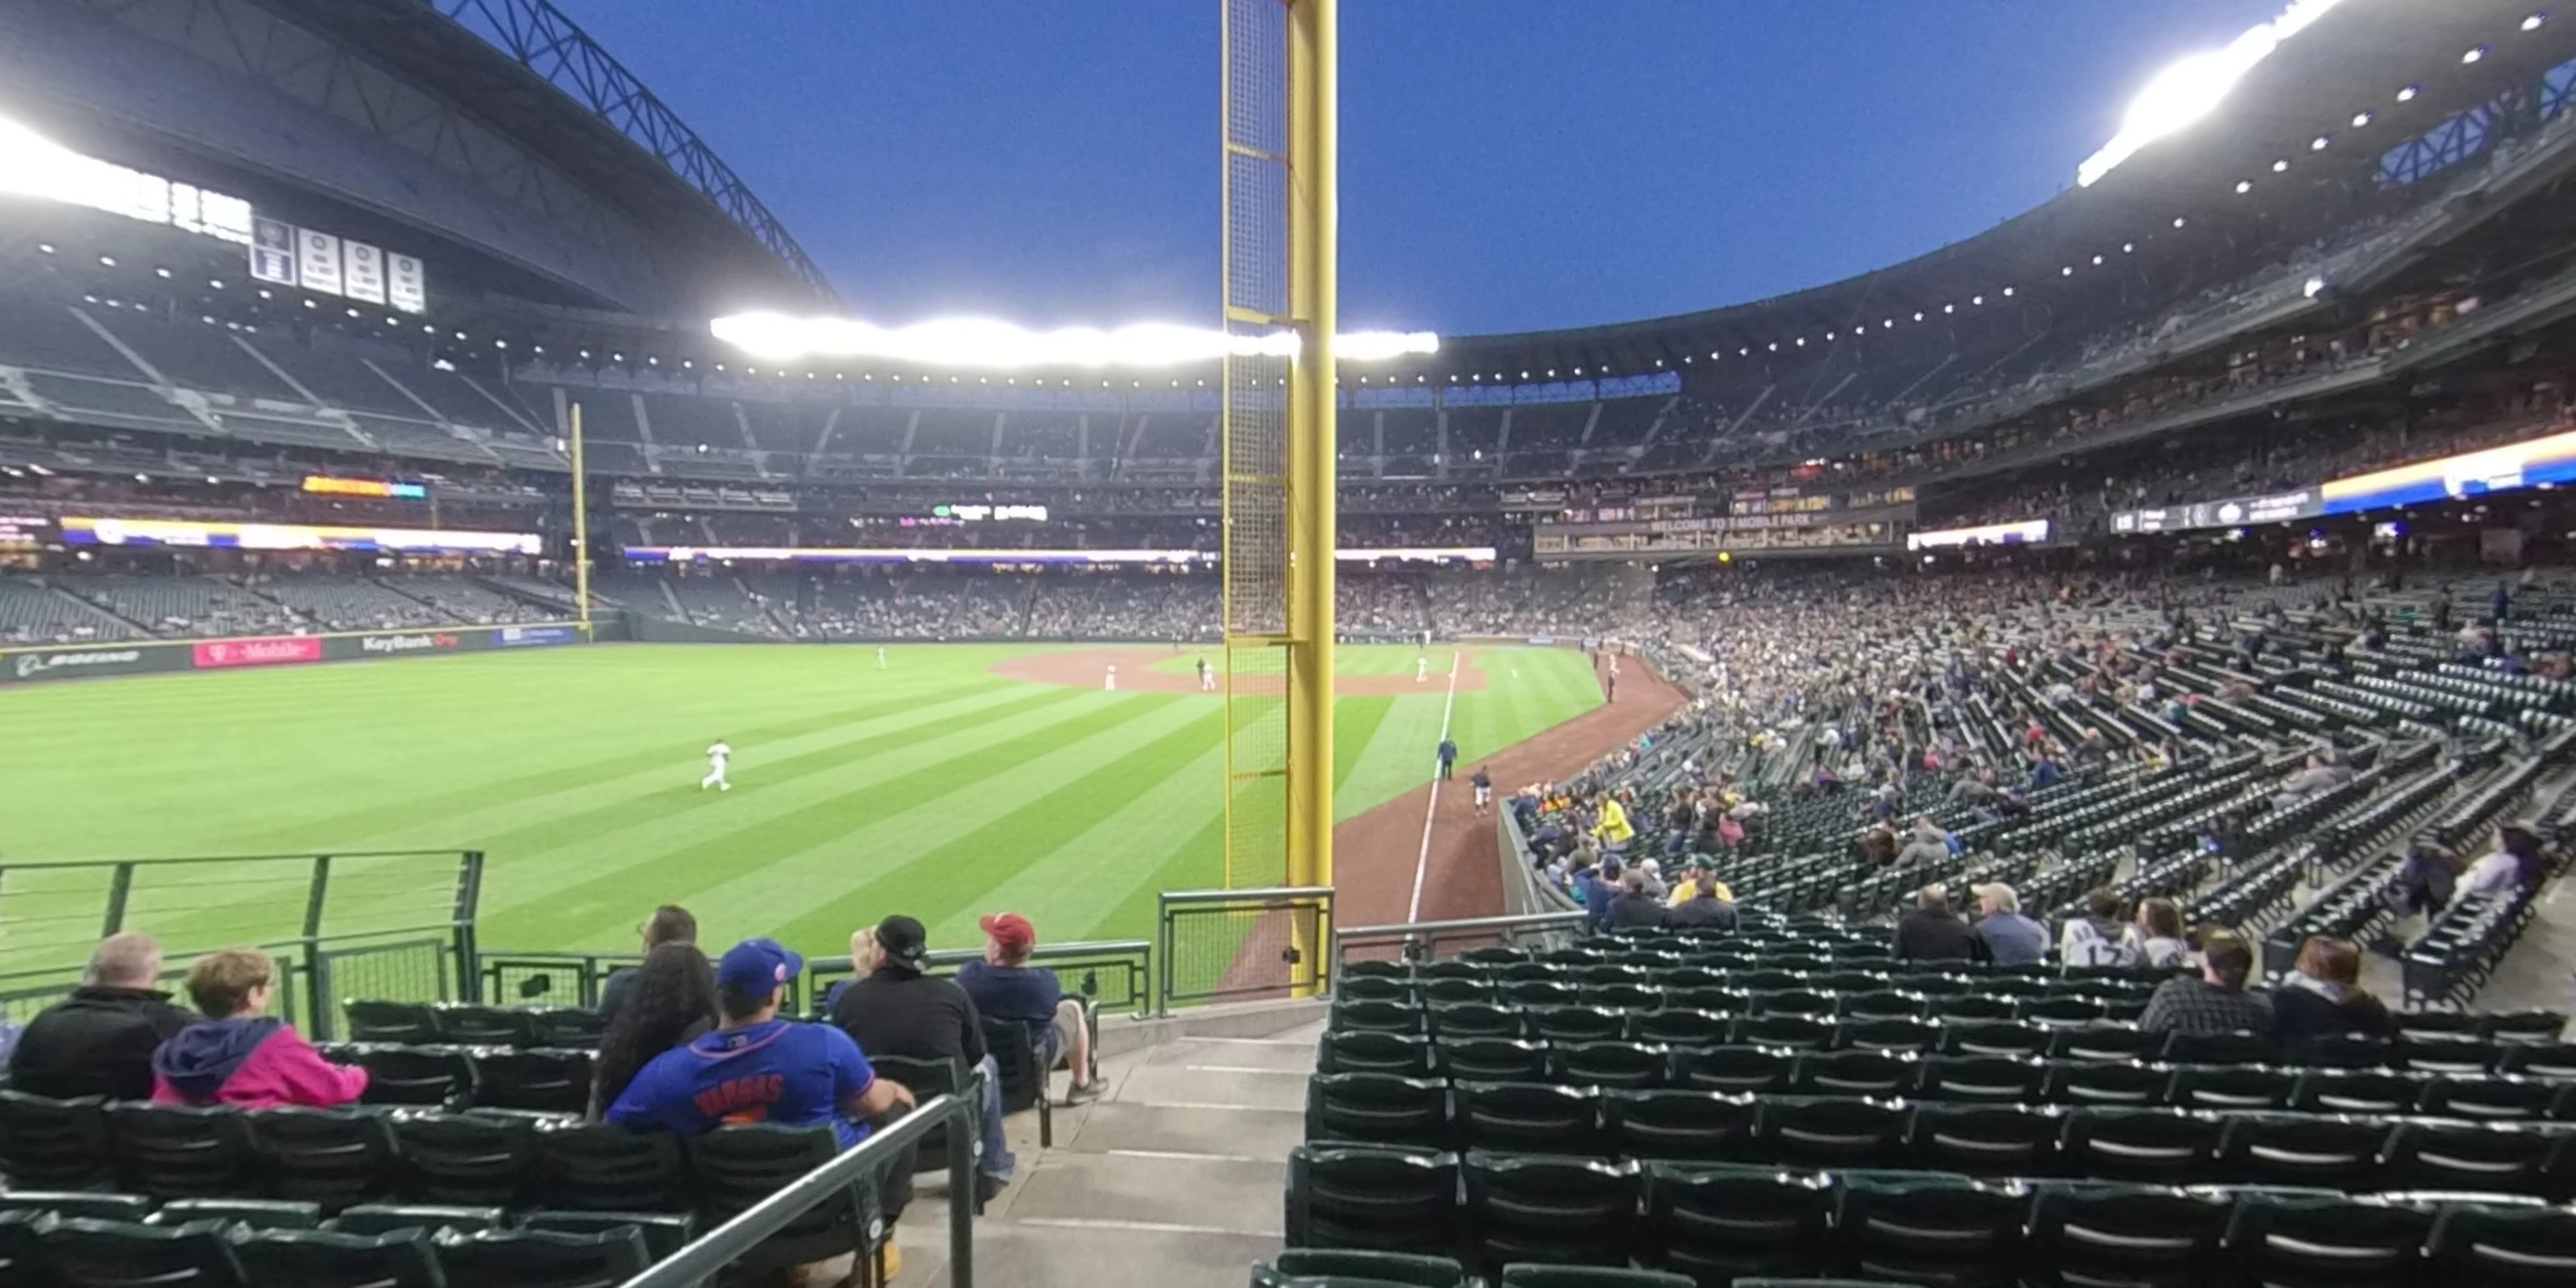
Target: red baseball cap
[(1012, 931)]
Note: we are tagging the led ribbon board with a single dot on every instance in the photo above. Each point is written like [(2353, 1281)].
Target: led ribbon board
[(292, 536)]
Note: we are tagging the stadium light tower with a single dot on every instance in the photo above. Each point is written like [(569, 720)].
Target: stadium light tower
[(1281, 239)]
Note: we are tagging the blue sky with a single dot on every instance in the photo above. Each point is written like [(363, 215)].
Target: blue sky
[(1507, 164)]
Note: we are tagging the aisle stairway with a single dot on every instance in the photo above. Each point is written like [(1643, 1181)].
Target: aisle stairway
[(1173, 1177)]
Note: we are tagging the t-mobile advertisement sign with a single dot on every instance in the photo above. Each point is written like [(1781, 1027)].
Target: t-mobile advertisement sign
[(259, 652)]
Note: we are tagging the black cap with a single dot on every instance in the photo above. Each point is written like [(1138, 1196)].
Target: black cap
[(902, 941)]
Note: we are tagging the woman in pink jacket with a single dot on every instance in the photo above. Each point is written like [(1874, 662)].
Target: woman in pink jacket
[(239, 1056)]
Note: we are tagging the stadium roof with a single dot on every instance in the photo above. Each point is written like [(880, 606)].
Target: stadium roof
[(532, 72), (2353, 60)]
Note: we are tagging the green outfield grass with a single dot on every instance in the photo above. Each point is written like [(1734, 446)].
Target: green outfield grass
[(933, 787)]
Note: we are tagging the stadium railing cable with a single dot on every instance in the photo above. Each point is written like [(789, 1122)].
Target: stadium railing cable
[(702, 1260)]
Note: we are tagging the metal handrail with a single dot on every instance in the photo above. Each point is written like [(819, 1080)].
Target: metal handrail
[(1410, 931), (703, 1258), (1257, 894)]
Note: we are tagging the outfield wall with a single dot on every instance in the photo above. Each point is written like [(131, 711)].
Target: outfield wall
[(154, 657)]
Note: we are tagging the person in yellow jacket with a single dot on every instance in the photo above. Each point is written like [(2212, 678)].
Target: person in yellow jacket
[(1688, 889), (1613, 828)]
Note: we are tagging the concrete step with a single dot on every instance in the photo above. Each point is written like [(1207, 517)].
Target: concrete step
[(1176, 1172)]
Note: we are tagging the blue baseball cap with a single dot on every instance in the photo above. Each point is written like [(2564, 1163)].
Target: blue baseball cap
[(757, 967)]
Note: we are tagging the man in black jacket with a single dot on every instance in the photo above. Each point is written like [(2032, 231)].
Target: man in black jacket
[(1635, 907), (895, 1009), (1932, 932), (99, 1041)]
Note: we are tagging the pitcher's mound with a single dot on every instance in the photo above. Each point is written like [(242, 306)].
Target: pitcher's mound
[(1087, 668)]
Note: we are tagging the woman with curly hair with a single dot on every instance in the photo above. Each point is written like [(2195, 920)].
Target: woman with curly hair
[(671, 1003)]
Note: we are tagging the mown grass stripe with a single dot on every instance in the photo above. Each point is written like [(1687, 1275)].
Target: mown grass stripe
[(1024, 858), (603, 898)]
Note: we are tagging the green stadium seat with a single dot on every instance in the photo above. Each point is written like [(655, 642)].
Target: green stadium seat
[(180, 1152), (333, 1157), (53, 1144), (78, 1252), (468, 1160), (257, 1214), (2494, 1247), (102, 1206), (1366, 1196), (736, 1167), (408, 1023), (276, 1258), (543, 1081), (541, 1258), (431, 1077), (468, 1024), (1524, 1275), (663, 1232), (2327, 1241), (382, 1218), (598, 1167), (1721, 1223), (1539, 1207), (1415, 1270)]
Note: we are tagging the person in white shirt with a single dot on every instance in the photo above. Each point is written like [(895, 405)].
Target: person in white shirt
[(1110, 683), (2498, 875), (2100, 937), (1421, 668), (881, 657), (1207, 677), (718, 753)]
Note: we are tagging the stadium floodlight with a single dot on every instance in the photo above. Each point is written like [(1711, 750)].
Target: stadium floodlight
[(2314, 287), (2280, 165), (2179, 221), (2407, 95), (2474, 53), (2533, 22), (983, 342), (2244, 186), (2189, 88), (2318, 144), (2360, 119)]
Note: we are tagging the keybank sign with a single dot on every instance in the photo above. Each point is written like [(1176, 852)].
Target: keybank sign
[(405, 643)]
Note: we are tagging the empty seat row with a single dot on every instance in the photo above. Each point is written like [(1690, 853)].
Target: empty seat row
[(40, 1249), (1978, 1078), (1963, 1034), (468, 1024), (2162, 1146), (1758, 992), (344, 1158), (663, 1232), (1727, 1224), (445, 1077)]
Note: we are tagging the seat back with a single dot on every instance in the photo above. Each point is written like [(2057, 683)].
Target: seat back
[(1377, 1107), (541, 1081), (2318, 1241), (179, 1152), (924, 1078), (1412, 1269), (567, 1028), (433, 1077), (1915, 1229), (469, 1024), (400, 1022), (105, 1207), (81, 1252), (1677, 1124), (2326, 1153), (334, 1157), (599, 1167), (2122, 1235), (2147, 1146), (319, 1258), (383, 1218), (1985, 1140), (1402, 1054), (663, 1232), (1492, 1059), (1016, 1053), (53, 1144), (737, 1167), (1363, 1196), (542, 1258), (1720, 1224), (2493, 1247), (472, 1160), (1538, 1207), (1537, 1117)]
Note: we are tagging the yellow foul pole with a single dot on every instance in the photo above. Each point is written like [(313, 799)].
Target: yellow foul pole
[(1314, 237), (580, 525)]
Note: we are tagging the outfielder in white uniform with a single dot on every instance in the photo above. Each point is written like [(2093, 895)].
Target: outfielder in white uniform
[(1421, 668), (880, 657), (1207, 677), (717, 754), (1110, 684)]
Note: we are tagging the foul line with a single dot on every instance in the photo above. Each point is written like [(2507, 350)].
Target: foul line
[(1422, 861)]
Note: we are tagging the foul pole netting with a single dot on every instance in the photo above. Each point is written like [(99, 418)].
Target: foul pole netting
[(1277, 442)]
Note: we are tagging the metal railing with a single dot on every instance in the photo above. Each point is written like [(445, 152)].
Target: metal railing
[(1113, 974), (704, 1258), (507, 978), (1424, 940), (1221, 945), (356, 914)]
